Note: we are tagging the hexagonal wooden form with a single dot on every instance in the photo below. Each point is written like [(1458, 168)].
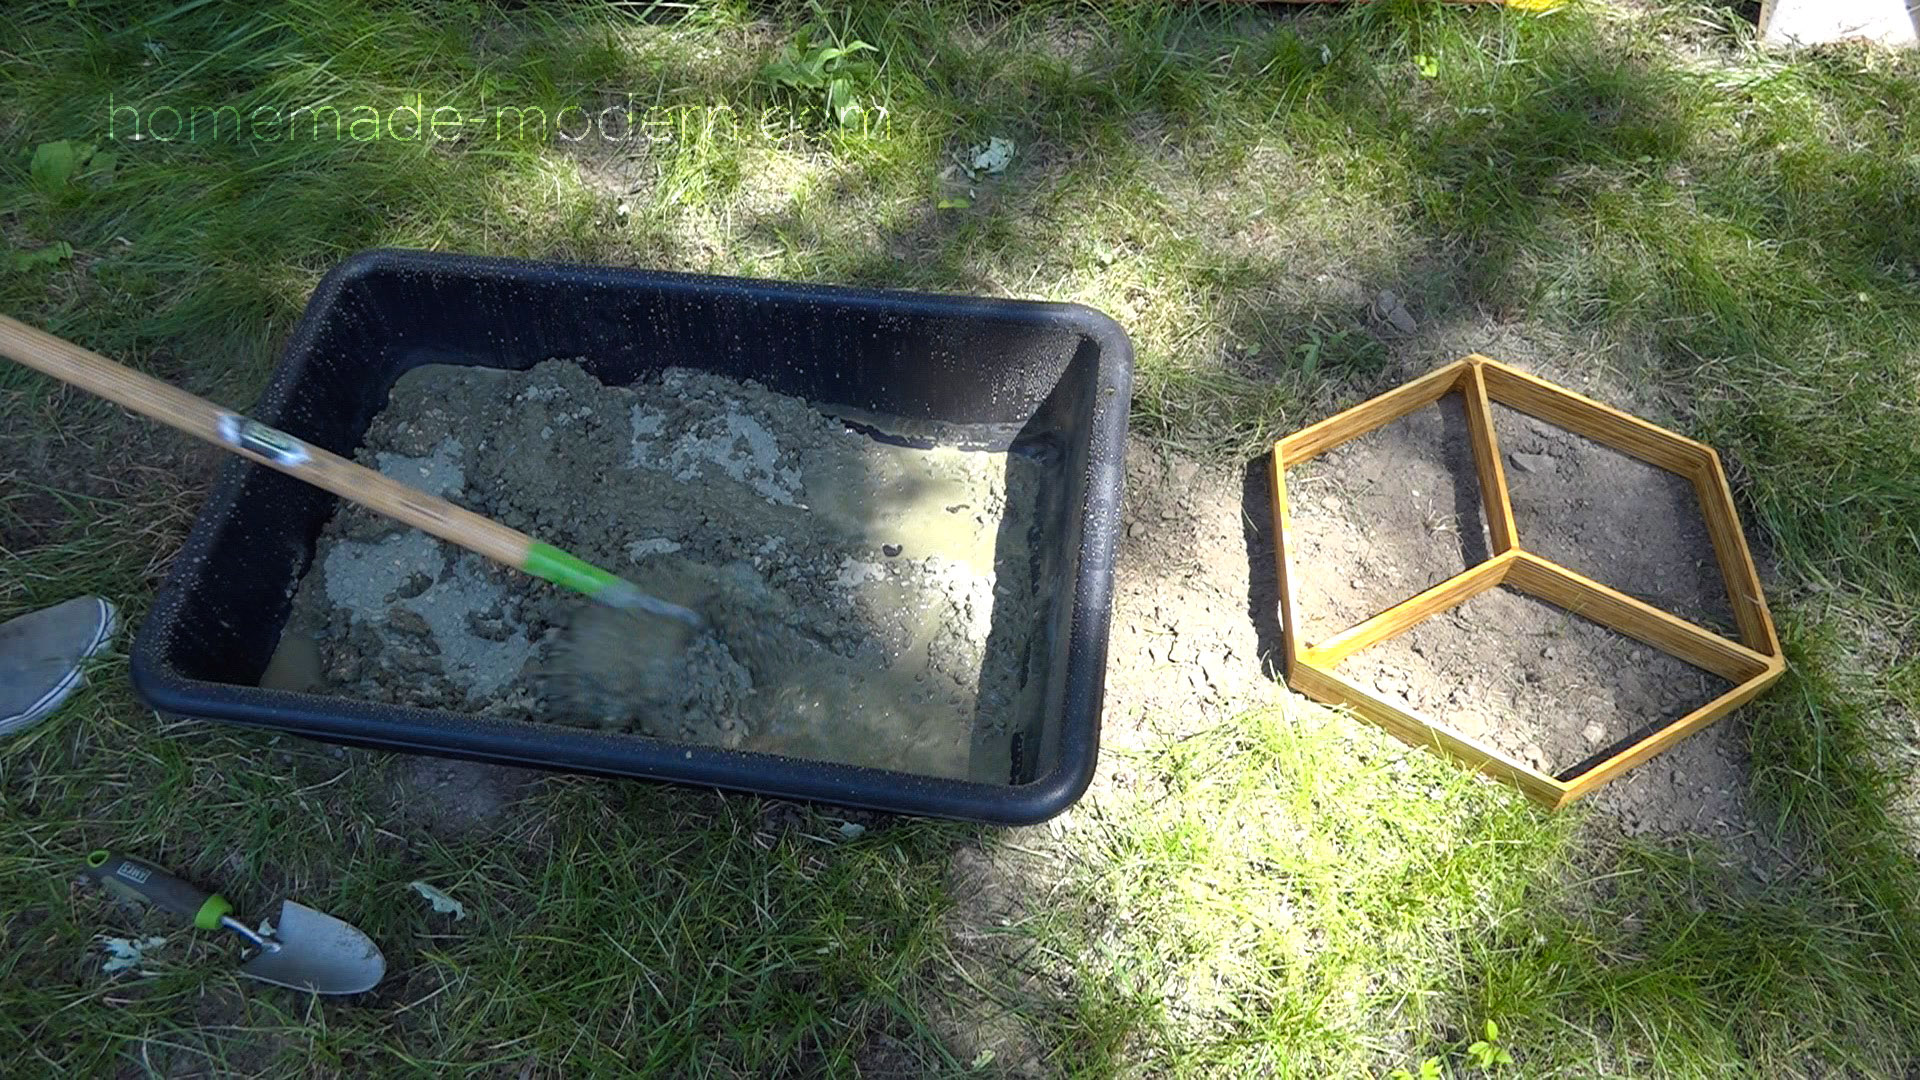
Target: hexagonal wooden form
[(1751, 664)]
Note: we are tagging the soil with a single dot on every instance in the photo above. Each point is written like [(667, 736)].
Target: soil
[(847, 578), (1195, 638), (456, 798), (1546, 687), (48, 480), (1384, 517), (1399, 509), (1613, 518)]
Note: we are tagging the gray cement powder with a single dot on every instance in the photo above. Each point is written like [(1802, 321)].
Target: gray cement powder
[(896, 581)]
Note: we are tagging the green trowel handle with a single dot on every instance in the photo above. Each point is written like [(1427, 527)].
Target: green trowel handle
[(128, 876)]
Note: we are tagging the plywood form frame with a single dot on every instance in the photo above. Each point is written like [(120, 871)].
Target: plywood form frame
[(1752, 663)]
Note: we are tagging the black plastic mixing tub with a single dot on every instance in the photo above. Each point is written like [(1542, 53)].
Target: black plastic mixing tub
[(996, 372)]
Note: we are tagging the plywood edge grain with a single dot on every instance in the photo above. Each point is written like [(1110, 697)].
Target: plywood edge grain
[(1635, 618), (1408, 613), (1501, 532), (1664, 738), (1602, 423), (1416, 730), (1376, 412)]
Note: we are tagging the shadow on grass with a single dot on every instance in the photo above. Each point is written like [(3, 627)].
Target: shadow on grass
[(1547, 171), (1500, 190)]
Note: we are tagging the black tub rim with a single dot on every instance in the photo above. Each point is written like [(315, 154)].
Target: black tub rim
[(350, 721)]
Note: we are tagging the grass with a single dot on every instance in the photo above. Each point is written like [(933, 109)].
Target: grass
[(1641, 187)]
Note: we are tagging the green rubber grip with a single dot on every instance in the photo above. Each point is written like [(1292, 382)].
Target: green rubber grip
[(129, 877), (549, 563)]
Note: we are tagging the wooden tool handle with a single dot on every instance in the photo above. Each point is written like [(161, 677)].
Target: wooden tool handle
[(255, 441)]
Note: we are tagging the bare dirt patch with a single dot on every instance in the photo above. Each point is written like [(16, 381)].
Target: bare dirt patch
[(73, 459), (1383, 517), (1195, 641), (456, 797), (1195, 635), (1400, 509), (1193, 632), (1533, 680), (1620, 521)]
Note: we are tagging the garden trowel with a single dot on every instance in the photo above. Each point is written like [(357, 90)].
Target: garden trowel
[(303, 948)]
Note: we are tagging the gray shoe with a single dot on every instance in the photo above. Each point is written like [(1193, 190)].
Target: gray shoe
[(41, 654)]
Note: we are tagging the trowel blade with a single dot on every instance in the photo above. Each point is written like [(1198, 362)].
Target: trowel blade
[(318, 953)]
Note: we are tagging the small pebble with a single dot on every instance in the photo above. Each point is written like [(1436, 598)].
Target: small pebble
[(1389, 308), (404, 621)]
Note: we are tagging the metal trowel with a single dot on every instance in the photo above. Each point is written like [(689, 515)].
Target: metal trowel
[(304, 949)]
